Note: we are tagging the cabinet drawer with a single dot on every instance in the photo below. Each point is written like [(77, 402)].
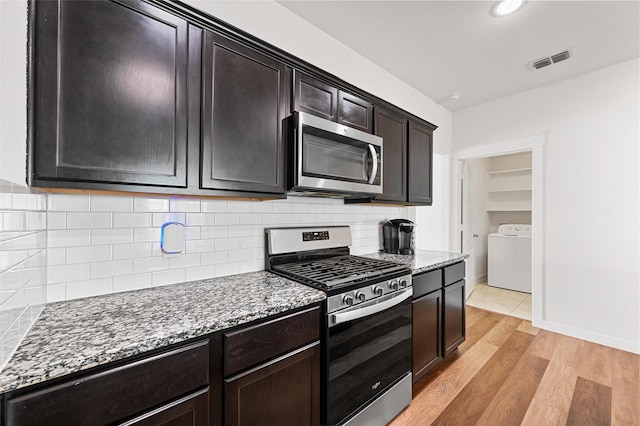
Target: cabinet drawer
[(453, 273), (115, 394), (426, 283), (258, 343)]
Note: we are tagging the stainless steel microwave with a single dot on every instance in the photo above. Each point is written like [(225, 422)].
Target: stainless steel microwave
[(333, 159)]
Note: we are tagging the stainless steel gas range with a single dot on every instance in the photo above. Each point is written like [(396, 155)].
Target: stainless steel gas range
[(366, 338)]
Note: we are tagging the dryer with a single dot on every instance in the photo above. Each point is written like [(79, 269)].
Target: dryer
[(510, 257)]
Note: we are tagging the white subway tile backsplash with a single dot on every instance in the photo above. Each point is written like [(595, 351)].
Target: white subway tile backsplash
[(112, 236), (250, 219), (68, 203), (222, 244), (152, 264), (68, 238), (141, 204), (146, 235), (111, 204), (214, 206), (200, 219), (88, 254), (213, 257), (131, 251), (199, 273), (159, 219), (209, 232), (131, 220), (199, 246), (66, 273), (173, 276), (56, 256), (239, 255), (184, 205), (132, 282), (251, 266), (281, 207), (251, 242), (239, 231), (56, 220), (239, 207), (56, 292), (78, 289), (224, 269), (261, 207), (184, 260), (227, 219), (88, 220), (113, 268)]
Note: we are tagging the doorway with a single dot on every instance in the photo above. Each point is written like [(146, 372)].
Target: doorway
[(470, 171)]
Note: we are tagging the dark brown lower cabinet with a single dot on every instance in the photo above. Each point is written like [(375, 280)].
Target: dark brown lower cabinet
[(283, 391), (454, 316), (427, 334), (130, 391), (192, 410)]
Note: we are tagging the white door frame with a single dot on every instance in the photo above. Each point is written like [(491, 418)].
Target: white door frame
[(535, 144)]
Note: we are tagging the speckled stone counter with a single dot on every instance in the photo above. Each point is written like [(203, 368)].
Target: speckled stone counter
[(422, 260), (79, 334)]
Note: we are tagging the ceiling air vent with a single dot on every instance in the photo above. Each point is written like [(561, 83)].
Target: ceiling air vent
[(549, 60)]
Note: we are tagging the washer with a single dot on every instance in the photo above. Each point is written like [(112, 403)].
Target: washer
[(510, 257)]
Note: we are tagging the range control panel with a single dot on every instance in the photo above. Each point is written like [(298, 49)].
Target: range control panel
[(315, 236)]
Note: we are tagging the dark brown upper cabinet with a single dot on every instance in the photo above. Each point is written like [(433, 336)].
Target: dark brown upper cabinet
[(244, 103), (392, 128), (108, 101), (420, 161), (323, 100)]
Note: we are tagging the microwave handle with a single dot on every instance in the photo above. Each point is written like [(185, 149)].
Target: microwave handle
[(374, 170)]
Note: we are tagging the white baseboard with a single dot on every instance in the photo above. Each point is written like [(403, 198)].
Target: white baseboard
[(624, 345)]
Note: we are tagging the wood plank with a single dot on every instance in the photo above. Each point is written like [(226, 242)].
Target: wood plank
[(545, 344), (510, 404), (596, 364), (526, 327), (470, 403), (474, 314), (481, 327), (591, 404), (625, 388), (502, 331), (551, 402), (440, 392)]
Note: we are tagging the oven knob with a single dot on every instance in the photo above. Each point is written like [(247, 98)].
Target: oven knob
[(347, 299), (360, 296), (393, 285), (403, 283), (377, 290)]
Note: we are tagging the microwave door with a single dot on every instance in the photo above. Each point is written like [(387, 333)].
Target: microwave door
[(328, 159)]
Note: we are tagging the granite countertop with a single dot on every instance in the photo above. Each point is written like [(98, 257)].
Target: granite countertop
[(79, 334), (422, 260)]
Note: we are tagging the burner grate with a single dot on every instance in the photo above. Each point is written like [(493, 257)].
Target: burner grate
[(337, 270)]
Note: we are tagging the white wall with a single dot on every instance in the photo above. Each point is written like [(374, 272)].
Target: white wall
[(432, 222), (480, 223), (591, 195), (13, 91)]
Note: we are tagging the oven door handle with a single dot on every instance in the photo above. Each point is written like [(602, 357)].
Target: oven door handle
[(363, 311)]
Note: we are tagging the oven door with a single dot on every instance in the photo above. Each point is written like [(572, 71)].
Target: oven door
[(333, 157), (369, 349)]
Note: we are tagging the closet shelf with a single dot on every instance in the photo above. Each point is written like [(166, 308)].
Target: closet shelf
[(510, 172), (490, 191)]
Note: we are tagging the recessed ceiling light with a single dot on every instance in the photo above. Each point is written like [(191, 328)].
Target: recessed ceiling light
[(506, 7)]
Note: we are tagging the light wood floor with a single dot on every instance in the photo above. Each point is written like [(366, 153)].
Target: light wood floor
[(510, 373)]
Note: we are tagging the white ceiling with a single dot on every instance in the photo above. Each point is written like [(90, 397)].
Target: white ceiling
[(442, 47)]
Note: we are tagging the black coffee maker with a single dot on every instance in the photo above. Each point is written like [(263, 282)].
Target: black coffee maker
[(397, 236)]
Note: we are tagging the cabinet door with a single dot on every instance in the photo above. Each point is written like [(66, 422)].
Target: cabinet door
[(427, 334), (315, 97), (420, 164), (393, 130), (192, 410), (110, 94), (355, 112), (454, 317), (245, 96), (284, 391)]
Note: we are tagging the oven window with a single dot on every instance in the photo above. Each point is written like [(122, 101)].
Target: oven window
[(365, 356), (336, 157)]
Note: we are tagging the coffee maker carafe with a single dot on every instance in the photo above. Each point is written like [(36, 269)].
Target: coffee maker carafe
[(398, 237)]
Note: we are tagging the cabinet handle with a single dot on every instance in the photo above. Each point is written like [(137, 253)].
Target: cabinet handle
[(374, 170)]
